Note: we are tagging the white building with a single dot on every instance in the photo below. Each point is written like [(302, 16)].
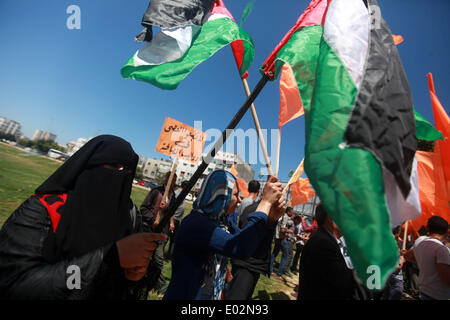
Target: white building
[(154, 168), (10, 127), (222, 160), (43, 135), (73, 147)]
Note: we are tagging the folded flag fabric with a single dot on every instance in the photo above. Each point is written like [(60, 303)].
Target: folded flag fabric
[(360, 127), (442, 121), (425, 130), (434, 198), (301, 191), (191, 32), (241, 182), (397, 39), (238, 45)]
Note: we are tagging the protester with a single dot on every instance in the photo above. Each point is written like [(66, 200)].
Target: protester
[(253, 190), (411, 280), (393, 289), (300, 240), (276, 243), (324, 272), (177, 217), (433, 259), (205, 239), (152, 204), (309, 228), (287, 244), (78, 221), (246, 272)]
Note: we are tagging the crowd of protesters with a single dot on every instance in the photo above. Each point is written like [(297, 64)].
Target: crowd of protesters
[(82, 216)]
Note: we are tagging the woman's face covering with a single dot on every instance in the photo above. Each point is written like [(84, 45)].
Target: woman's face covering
[(235, 200)]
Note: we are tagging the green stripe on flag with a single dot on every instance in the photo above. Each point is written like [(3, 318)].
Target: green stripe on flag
[(348, 181), (247, 11), (425, 130), (213, 36), (301, 53)]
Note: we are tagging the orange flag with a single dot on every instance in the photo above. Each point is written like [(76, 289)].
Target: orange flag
[(242, 187), (397, 39), (241, 182), (432, 193), (301, 191), (234, 171), (434, 169), (291, 105), (297, 174), (442, 122)]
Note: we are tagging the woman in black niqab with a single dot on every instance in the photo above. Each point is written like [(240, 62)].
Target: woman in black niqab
[(97, 180), (79, 219)]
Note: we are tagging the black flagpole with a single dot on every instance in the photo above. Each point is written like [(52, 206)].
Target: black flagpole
[(225, 134)]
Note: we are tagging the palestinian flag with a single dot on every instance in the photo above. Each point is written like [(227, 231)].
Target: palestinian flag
[(360, 126), (191, 32), (425, 130), (238, 45)]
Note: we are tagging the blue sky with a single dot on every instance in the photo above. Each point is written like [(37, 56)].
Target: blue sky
[(68, 81)]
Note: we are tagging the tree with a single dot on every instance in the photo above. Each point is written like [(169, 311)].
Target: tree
[(7, 136), (45, 145), (139, 173)]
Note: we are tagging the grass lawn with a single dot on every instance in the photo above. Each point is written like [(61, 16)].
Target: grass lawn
[(21, 174)]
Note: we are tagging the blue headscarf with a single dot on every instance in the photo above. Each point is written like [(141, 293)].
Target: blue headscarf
[(215, 194)]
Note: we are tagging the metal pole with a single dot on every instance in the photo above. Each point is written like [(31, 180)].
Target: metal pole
[(225, 134)]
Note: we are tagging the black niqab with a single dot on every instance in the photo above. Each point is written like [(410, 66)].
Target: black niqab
[(96, 212)]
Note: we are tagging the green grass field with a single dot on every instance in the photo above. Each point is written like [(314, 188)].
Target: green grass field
[(21, 174)]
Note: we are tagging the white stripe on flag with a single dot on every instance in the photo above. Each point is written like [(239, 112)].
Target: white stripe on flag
[(346, 31), (402, 210), (166, 46)]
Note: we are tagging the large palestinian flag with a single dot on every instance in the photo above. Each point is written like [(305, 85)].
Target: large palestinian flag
[(360, 126), (191, 32)]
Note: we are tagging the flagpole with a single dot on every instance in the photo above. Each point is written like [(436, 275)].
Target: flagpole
[(294, 176), (206, 160), (278, 153), (258, 129), (405, 234)]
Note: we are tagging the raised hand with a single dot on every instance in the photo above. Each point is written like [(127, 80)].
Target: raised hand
[(271, 194)]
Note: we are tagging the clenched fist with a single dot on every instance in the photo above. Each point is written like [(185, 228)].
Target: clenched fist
[(135, 252), (271, 195)]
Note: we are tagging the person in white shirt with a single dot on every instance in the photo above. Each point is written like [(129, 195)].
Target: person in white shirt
[(433, 259), (301, 238), (253, 190)]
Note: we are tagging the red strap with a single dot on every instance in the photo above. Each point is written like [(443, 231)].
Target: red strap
[(52, 208)]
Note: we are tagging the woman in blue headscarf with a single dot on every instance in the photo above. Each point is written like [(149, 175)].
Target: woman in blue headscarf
[(205, 239)]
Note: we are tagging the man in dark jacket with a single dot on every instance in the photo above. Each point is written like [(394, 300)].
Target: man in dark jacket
[(246, 272), (324, 274)]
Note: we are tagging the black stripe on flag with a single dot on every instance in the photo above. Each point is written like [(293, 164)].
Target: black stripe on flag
[(382, 120), (176, 13)]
